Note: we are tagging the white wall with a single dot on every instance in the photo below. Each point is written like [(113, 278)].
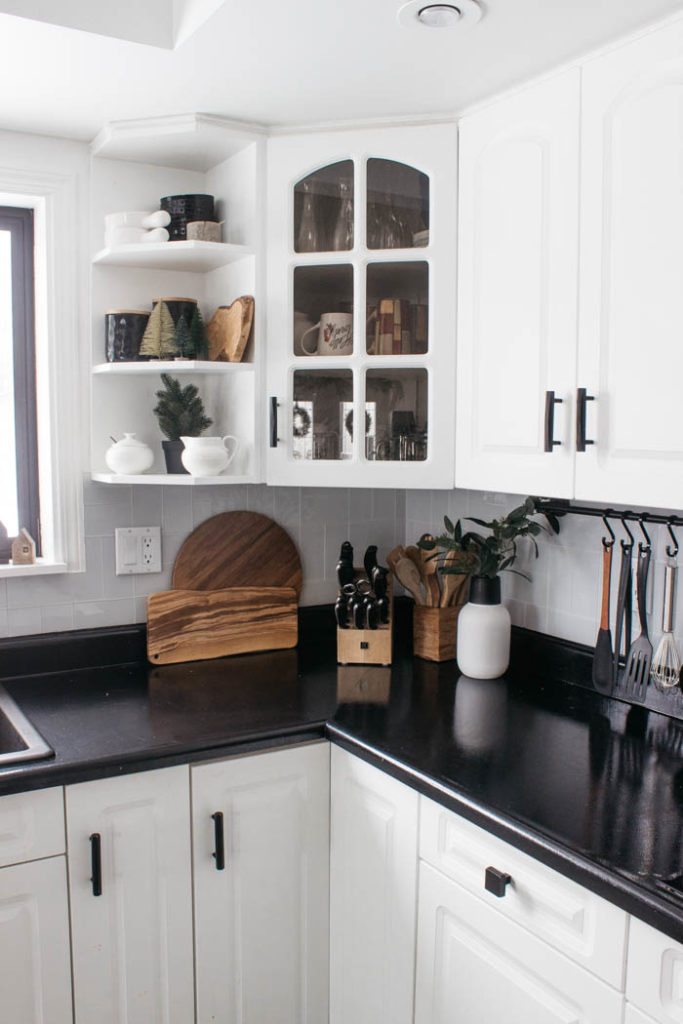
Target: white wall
[(563, 598), (317, 519)]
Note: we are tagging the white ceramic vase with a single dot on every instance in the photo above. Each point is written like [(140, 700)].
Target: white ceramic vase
[(129, 457), (208, 456), (483, 646)]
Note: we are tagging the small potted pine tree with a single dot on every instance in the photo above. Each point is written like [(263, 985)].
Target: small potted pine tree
[(180, 412)]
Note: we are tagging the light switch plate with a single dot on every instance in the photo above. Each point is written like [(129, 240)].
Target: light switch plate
[(138, 550)]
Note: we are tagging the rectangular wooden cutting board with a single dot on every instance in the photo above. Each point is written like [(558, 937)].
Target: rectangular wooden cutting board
[(192, 625)]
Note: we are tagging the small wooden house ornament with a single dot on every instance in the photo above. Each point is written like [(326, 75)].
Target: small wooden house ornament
[(23, 548)]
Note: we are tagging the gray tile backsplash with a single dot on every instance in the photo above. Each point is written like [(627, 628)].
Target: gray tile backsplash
[(562, 598), (318, 520)]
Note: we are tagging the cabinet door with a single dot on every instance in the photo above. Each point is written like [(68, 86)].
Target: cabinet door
[(474, 965), (654, 975), (35, 973), (631, 309), (634, 1016), (261, 921), (517, 290), (373, 887), (361, 307), (132, 945), (31, 825)]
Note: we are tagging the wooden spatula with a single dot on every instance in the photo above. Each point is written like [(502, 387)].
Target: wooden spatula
[(603, 658), (415, 555), (452, 583), (407, 574), (431, 580)]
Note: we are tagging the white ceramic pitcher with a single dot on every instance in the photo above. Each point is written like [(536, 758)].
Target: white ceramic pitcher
[(208, 456)]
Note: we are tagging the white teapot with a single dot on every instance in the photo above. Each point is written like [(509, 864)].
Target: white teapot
[(208, 456), (129, 456)]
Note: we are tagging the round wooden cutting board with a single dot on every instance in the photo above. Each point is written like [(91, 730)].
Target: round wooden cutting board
[(237, 549)]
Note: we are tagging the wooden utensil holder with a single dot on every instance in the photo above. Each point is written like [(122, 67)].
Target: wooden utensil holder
[(435, 632), (367, 646)]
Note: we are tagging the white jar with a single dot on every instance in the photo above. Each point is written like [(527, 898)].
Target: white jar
[(129, 456), (483, 646)]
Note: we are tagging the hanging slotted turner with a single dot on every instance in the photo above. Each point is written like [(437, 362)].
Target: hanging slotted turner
[(637, 672)]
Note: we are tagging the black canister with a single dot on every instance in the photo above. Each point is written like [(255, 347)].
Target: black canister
[(184, 209), (123, 331)]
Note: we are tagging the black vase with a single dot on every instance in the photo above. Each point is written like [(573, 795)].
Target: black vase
[(123, 331), (172, 452), (184, 209)]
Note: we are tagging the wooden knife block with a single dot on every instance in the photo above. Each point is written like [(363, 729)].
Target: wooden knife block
[(368, 646), (435, 632)]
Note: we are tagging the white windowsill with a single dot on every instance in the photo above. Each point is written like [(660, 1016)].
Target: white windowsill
[(39, 568)]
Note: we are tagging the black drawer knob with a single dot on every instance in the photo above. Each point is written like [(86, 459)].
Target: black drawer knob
[(496, 881)]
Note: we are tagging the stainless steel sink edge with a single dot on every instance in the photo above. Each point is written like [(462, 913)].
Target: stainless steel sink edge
[(36, 747)]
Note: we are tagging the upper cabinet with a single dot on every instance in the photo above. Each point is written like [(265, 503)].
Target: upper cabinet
[(547, 405), (134, 165), (361, 307), (631, 299), (518, 269)]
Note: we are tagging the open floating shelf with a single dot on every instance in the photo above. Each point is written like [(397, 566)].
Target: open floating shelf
[(170, 479), (197, 257), (157, 366)]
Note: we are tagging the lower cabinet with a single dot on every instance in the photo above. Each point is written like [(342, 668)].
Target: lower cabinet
[(261, 870), (475, 966), (654, 976), (132, 933), (373, 894), (35, 976)]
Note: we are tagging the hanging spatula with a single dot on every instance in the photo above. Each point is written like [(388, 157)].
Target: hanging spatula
[(603, 665), (637, 673)]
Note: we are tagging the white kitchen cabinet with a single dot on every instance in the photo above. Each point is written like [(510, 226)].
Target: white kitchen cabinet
[(134, 164), (132, 944), (261, 907), (373, 891), (634, 1016), (361, 307), (31, 825), (475, 965), (564, 914), (631, 301), (35, 969), (654, 976), (517, 282)]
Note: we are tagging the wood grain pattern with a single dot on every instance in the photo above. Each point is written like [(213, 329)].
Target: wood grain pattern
[(435, 632), (229, 328), (187, 625), (237, 549)]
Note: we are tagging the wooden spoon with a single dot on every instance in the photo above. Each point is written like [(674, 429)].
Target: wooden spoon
[(431, 580), (452, 582), (407, 574), (415, 555)]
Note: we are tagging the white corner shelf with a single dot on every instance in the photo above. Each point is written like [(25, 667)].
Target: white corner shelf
[(187, 141), (170, 479), (197, 257), (157, 366)]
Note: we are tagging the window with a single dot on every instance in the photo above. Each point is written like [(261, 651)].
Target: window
[(19, 490)]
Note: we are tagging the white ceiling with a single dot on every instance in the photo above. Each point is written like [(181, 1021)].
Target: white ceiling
[(300, 62)]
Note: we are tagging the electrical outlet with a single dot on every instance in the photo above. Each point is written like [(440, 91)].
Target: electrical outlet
[(138, 550)]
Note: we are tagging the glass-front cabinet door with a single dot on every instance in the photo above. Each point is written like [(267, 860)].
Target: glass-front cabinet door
[(361, 308)]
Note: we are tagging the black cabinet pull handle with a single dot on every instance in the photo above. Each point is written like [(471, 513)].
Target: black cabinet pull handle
[(273, 422), (581, 401), (550, 402), (96, 863), (219, 840), (496, 881)]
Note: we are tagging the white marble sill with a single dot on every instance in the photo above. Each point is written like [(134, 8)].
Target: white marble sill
[(39, 568)]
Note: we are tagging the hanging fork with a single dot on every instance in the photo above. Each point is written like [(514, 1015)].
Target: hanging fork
[(624, 598)]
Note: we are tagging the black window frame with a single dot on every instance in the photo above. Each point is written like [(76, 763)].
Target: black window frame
[(18, 221)]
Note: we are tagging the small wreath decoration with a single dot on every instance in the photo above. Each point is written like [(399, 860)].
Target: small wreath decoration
[(348, 422), (301, 422)]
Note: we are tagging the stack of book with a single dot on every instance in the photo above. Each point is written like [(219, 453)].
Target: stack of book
[(400, 328)]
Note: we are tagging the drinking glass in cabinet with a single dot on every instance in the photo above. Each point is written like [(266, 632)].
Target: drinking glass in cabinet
[(398, 307), (397, 205), (399, 403), (323, 311), (323, 209), (321, 400)]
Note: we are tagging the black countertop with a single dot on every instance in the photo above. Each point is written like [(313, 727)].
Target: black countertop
[(586, 784)]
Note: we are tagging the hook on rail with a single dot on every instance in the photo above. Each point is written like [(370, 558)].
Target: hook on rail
[(607, 544), (646, 535), (627, 545), (669, 526)]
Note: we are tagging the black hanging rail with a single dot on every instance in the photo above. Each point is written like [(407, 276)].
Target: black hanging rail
[(561, 507)]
